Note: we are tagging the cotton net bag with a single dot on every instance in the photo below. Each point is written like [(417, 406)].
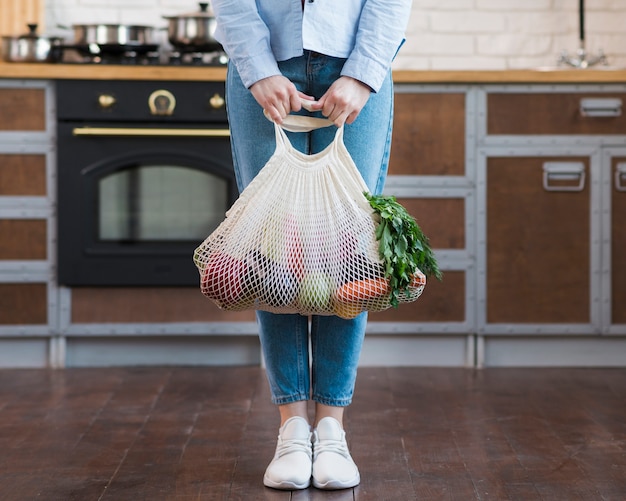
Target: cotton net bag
[(300, 238)]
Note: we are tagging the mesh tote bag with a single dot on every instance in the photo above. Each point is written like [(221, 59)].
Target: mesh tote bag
[(301, 238)]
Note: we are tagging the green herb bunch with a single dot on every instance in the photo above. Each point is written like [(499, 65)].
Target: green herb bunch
[(403, 247)]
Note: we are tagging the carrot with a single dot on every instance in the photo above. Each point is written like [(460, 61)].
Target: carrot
[(372, 288), (358, 290), (417, 280)]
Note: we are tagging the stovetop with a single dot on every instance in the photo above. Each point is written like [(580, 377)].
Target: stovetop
[(141, 56)]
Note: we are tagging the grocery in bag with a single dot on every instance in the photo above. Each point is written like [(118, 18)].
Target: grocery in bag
[(302, 238)]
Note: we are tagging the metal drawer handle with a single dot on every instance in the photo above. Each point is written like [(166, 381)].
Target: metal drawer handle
[(620, 177), (571, 174), (122, 131), (601, 107)]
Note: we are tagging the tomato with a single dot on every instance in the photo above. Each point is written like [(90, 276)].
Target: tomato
[(226, 280)]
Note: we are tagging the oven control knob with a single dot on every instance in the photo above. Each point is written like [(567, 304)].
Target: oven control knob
[(162, 103), (106, 101), (217, 101)]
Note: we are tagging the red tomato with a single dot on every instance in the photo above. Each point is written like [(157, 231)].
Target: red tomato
[(225, 280)]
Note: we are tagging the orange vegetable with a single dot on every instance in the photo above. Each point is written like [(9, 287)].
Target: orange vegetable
[(347, 310), (418, 280), (357, 290), (371, 288)]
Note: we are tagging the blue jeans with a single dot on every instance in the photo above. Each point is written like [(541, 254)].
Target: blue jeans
[(336, 343)]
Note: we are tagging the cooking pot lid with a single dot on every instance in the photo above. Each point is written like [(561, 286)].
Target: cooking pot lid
[(33, 35), (205, 12)]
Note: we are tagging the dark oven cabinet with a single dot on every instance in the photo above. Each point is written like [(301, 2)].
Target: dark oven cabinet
[(551, 212)]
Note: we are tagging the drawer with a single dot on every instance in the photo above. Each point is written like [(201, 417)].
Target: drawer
[(23, 239), (93, 305), (428, 135), (23, 304), (22, 175), (556, 113), (22, 110), (441, 219), (440, 302)]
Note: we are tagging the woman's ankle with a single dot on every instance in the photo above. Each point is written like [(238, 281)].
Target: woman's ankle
[(322, 411), (293, 409)]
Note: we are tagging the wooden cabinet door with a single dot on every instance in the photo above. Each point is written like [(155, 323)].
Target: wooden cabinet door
[(538, 243), (618, 241)]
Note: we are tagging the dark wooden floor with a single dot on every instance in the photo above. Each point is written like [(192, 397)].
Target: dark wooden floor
[(416, 434)]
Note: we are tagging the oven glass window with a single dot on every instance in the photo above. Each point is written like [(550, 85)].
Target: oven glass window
[(160, 203)]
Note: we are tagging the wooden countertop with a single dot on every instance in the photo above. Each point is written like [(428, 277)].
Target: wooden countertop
[(113, 72), (109, 72)]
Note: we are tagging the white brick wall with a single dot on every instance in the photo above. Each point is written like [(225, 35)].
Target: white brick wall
[(442, 34)]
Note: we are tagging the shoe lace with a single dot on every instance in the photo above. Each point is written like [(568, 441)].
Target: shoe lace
[(335, 446), (293, 445)]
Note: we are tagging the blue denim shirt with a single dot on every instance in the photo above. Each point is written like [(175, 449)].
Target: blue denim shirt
[(257, 33)]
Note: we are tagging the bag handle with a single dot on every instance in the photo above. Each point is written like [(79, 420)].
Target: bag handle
[(299, 123)]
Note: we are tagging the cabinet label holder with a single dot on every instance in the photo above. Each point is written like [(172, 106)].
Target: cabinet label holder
[(601, 107), (563, 176)]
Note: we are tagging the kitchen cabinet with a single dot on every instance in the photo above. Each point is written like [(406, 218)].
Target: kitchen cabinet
[(27, 290), (549, 225), (430, 173), (614, 240), (521, 188), (556, 113), (538, 242)]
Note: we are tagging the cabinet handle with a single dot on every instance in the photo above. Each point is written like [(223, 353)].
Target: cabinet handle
[(600, 107), (570, 176), (620, 177), (133, 132)]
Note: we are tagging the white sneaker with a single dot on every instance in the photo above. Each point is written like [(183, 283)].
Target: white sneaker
[(291, 466), (333, 467)]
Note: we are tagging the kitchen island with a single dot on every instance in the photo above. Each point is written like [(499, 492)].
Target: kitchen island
[(517, 176)]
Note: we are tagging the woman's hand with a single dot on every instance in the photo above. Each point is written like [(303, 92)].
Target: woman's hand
[(278, 96), (344, 100)]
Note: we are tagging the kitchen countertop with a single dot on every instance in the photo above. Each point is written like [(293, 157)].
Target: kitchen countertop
[(211, 73)]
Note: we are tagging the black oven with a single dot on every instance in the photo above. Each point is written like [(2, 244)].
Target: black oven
[(144, 175)]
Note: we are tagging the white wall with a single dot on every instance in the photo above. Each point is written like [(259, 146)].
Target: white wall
[(442, 34)]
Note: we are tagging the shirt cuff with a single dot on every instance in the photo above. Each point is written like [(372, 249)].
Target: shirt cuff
[(255, 68), (368, 71)]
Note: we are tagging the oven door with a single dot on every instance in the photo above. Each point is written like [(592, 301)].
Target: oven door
[(135, 201)]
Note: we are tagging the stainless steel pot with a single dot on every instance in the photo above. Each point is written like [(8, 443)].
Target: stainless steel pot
[(113, 34), (194, 31), (31, 47)]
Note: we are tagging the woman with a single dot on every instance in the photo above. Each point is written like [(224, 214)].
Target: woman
[(339, 54)]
